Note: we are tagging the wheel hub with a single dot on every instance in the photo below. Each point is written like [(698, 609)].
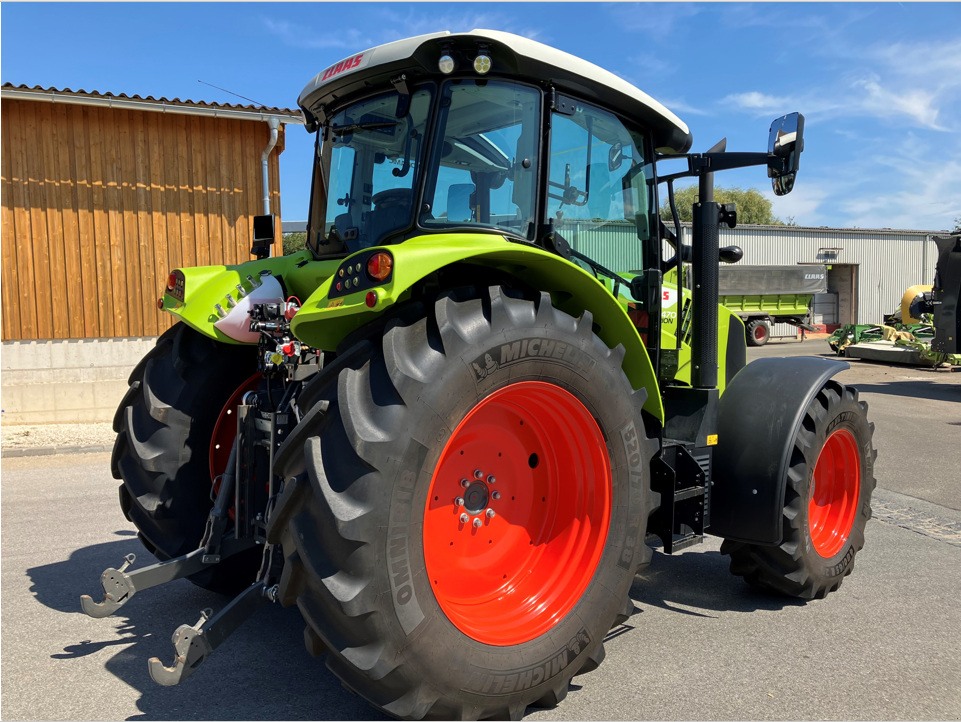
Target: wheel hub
[(476, 498)]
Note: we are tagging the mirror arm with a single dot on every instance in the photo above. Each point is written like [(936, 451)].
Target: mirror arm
[(701, 163)]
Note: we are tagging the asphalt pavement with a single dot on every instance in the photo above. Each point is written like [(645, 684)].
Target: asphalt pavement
[(701, 644)]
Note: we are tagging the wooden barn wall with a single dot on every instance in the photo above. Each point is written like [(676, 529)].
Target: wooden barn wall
[(99, 204)]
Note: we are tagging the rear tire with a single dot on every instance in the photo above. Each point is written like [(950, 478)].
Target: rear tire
[(758, 331), (365, 473), (827, 502), (162, 452)]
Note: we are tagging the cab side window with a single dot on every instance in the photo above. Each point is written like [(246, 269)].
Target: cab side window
[(600, 186)]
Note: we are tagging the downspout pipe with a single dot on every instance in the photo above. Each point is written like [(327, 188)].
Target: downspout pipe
[(274, 124)]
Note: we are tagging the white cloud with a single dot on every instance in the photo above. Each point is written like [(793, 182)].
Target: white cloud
[(917, 104), (802, 204), (393, 25), (678, 105), (304, 37), (657, 19), (762, 102)]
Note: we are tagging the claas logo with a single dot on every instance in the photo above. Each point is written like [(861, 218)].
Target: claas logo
[(342, 66)]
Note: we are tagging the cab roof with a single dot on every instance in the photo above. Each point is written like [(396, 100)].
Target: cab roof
[(513, 56)]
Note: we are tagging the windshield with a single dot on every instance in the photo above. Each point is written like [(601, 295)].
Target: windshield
[(600, 189), (369, 164), (485, 159)]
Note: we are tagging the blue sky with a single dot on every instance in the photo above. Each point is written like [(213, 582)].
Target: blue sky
[(879, 84)]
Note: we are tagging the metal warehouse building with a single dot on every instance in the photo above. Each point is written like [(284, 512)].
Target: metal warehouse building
[(868, 269)]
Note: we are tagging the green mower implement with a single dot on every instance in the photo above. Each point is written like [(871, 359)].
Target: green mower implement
[(454, 427)]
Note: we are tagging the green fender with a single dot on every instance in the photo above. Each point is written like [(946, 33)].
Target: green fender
[(323, 323), (206, 286)]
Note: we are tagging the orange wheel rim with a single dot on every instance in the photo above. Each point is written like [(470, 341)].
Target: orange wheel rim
[(225, 429), (533, 454), (835, 489)]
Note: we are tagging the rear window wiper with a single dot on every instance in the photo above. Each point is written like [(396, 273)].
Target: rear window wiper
[(354, 127)]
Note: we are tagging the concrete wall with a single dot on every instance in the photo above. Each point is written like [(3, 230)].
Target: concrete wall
[(66, 381)]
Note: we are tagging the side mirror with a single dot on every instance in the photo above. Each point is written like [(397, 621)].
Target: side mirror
[(615, 157), (458, 202), (263, 236), (784, 146)]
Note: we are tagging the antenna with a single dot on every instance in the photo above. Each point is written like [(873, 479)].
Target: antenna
[(231, 92)]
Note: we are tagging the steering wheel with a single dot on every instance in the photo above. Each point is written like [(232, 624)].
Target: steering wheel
[(392, 197)]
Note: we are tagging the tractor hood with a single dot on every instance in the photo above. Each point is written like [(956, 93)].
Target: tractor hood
[(511, 55)]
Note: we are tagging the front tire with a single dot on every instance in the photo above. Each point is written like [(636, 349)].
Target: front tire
[(827, 502), (377, 559)]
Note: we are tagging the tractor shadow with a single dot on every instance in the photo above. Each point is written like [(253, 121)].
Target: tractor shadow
[(930, 390), (699, 584), (262, 672)]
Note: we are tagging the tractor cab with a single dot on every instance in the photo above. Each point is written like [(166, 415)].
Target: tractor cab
[(484, 132)]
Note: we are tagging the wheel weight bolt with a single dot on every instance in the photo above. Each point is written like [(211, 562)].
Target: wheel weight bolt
[(495, 495), (477, 522), (478, 474), (464, 483), (490, 513), (464, 518), (491, 479), (459, 501)]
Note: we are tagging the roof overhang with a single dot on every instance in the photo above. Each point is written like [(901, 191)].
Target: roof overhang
[(155, 106), (512, 55)]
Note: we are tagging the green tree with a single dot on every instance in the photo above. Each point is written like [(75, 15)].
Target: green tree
[(752, 207), (294, 242), (957, 224)]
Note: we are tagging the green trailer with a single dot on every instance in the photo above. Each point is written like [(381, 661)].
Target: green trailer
[(764, 295)]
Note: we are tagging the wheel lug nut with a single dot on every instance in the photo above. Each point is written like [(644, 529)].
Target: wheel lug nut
[(458, 501), (477, 522), (478, 474), (464, 483), (496, 495), (490, 513), (464, 518), (491, 479)]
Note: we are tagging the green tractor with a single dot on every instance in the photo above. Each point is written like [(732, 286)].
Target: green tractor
[(453, 429)]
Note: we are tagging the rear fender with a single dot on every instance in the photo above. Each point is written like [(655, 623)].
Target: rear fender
[(324, 322), (759, 417), (206, 286)]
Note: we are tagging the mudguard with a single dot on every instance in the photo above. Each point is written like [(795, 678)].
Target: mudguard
[(202, 287), (759, 416), (323, 322)]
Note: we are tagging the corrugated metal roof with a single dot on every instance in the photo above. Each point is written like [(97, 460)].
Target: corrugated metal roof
[(828, 229), (295, 115)]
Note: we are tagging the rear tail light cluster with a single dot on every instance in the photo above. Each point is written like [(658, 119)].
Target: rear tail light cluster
[(175, 285), (363, 272)]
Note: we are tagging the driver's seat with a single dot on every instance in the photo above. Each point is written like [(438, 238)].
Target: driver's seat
[(392, 212)]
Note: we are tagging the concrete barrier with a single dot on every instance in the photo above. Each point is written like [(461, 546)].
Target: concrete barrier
[(66, 381)]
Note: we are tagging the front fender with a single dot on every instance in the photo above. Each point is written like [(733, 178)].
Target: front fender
[(323, 322), (759, 417)]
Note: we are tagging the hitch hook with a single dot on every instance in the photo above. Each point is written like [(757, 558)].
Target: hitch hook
[(193, 644), (117, 590), (190, 648)]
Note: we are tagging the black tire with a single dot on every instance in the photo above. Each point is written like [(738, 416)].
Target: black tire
[(360, 464), (758, 331), (164, 425), (795, 567)]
